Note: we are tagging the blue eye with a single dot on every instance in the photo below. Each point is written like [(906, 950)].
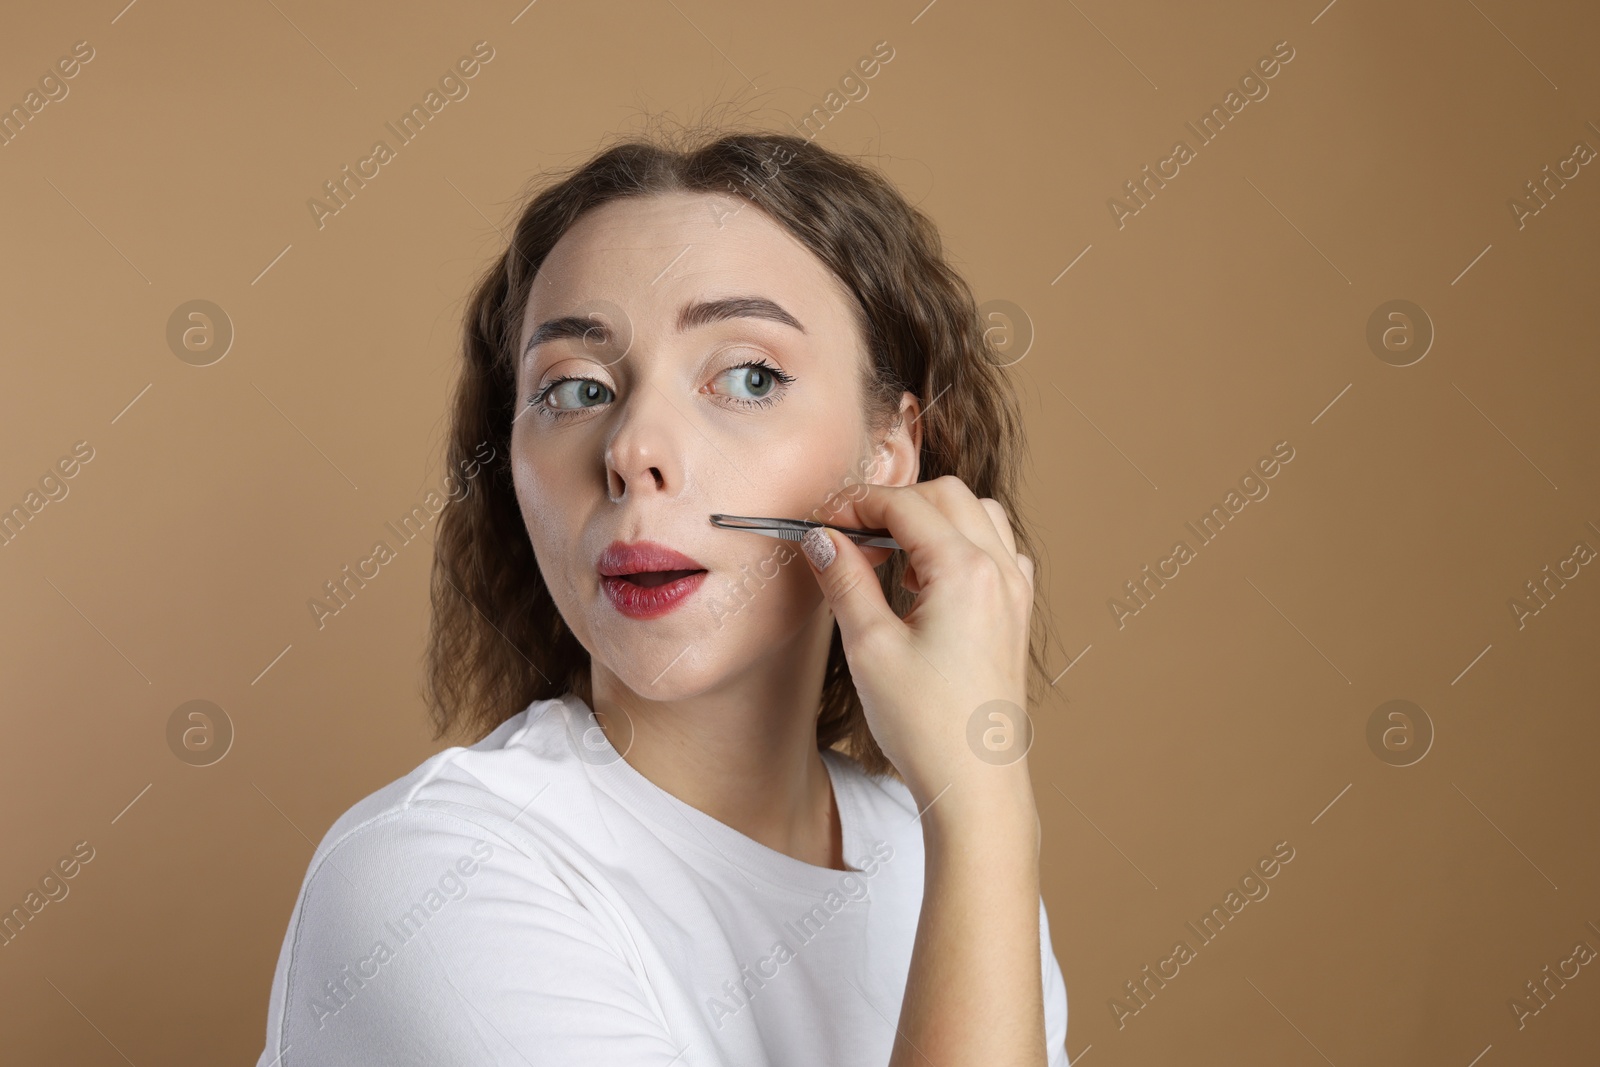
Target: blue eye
[(587, 393), (759, 378)]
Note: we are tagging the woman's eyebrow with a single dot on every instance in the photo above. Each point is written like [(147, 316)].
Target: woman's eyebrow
[(691, 316), (702, 313)]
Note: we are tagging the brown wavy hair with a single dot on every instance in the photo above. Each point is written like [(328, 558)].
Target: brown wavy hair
[(496, 642)]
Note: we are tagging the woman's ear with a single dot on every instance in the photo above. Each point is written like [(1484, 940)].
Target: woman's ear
[(898, 460)]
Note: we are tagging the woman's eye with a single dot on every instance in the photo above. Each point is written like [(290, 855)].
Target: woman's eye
[(752, 381), (568, 393)]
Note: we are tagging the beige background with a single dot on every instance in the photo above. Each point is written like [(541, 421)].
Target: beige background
[(1230, 314)]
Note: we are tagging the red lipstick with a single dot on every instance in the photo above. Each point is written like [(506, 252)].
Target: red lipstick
[(645, 580)]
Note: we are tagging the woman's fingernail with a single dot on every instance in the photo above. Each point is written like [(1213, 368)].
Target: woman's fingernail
[(819, 549)]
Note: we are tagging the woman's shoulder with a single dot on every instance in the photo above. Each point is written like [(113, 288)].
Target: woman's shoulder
[(453, 855), (465, 789)]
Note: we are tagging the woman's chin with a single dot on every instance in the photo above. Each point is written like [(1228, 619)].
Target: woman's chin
[(679, 669), (703, 643)]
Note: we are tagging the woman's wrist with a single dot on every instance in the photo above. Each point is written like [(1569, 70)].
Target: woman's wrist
[(993, 809)]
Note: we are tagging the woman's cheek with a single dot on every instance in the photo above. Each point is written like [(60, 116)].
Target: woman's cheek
[(546, 508)]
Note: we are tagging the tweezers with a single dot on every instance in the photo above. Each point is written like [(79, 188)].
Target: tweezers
[(794, 529)]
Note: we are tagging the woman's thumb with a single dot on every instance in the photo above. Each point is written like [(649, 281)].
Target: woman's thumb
[(848, 581)]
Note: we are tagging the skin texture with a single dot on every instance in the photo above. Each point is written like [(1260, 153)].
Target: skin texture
[(715, 705)]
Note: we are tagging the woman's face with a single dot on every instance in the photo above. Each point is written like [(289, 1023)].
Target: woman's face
[(721, 372)]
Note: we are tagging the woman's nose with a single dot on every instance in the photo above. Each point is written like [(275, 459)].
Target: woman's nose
[(645, 454)]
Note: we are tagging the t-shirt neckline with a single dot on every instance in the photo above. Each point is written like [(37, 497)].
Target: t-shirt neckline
[(703, 832)]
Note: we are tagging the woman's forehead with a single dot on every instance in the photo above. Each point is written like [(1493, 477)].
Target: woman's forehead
[(652, 255)]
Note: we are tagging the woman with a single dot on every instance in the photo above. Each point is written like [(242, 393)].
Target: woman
[(722, 808)]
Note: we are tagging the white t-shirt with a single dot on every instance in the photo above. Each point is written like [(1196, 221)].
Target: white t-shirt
[(534, 899)]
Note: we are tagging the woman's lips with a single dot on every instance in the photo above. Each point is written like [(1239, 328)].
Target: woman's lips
[(666, 590), (645, 580)]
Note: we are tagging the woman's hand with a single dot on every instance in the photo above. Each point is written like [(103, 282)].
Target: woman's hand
[(938, 686), (944, 688)]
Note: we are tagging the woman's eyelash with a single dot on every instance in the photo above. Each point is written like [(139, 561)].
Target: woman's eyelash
[(760, 401), (777, 373)]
